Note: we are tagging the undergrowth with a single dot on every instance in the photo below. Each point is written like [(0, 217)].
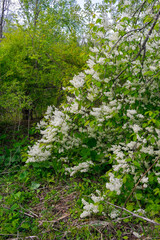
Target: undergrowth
[(43, 203)]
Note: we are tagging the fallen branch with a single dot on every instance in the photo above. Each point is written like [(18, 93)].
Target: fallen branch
[(1, 234), (30, 212), (54, 221), (31, 237), (134, 214), (95, 223)]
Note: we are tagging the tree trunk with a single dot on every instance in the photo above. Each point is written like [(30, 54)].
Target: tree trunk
[(4, 7), (2, 19)]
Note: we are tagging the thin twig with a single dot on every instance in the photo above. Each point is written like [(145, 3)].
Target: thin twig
[(97, 231), (120, 219), (29, 211), (121, 72), (27, 214), (141, 6), (54, 221)]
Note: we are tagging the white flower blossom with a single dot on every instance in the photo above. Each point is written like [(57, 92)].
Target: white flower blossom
[(131, 145), (78, 80), (82, 167), (89, 71), (148, 150), (144, 179), (137, 235), (85, 214), (136, 128), (114, 213), (115, 184), (89, 209), (96, 199), (94, 50)]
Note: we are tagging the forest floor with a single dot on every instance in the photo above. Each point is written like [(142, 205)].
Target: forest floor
[(38, 203)]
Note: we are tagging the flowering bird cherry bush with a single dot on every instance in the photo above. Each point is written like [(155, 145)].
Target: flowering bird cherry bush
[(111, 119)]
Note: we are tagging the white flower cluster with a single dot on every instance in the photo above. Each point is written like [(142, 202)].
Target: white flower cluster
[(38, 153), (115, 184), (114, 213), (97, 198), (130, 113), (82, 167), (136, 128), (90, 208), (49, 129)]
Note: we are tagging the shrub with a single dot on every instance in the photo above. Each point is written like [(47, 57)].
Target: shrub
[(110, 124)]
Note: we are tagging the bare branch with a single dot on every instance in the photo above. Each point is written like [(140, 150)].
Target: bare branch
[(133, 30), (149, 33), (143, 45)]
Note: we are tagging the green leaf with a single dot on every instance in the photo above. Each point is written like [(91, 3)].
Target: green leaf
[(156, 191), (25, 225), (139, 196), (98, 20), (35, 185), (130, 206), (137, 164), (98, 84), (125, 237), (76, 93), (148, 73), (124, 179), (100, 208), (86, 123), (134, 137), (152, 140), (15, 206), (23, 175), (17, 195), (15, 223), (92, 123)]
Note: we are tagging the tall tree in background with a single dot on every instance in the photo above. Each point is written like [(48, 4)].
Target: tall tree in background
[(4, 8), (30, 10)]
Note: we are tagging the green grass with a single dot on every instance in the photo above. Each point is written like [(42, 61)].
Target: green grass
[(49, 208)]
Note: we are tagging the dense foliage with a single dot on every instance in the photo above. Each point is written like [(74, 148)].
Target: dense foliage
[(38, 58)]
